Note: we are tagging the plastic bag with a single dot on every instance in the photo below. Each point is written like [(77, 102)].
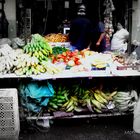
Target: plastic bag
[(35, 95)]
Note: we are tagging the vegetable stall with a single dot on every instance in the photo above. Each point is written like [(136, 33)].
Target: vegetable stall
[(60, 83)]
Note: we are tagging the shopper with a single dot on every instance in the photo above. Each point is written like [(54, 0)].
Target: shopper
[(119, 40), (100, 40), (80, 30)]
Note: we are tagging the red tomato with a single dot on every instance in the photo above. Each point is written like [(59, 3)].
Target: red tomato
[(77, 62)]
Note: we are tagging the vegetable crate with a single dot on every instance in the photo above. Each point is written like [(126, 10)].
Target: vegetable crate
[(9, 114)]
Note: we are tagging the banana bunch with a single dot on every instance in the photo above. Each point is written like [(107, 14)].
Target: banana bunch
[(6, 64), (59, 99), (5, 50), (125, 101), (72, 105), (78, 90), (8, 56), (94, 101), (27, 65), (86, 100), (52, 68), (38, 47)]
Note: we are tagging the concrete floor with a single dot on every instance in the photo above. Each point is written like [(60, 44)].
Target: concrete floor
[(109, 128)]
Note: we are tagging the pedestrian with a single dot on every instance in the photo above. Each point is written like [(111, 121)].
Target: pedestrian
[(80, 30), (119, 39)]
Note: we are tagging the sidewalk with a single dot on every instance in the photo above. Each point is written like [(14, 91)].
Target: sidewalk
[(109, 128)]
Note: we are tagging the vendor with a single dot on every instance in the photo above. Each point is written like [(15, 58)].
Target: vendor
[(119, 40), (80, 30)]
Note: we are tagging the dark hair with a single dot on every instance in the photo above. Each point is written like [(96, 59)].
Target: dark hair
[(121, 21)]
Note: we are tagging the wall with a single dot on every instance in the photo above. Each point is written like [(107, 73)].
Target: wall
[(10, 11), (136, 20)]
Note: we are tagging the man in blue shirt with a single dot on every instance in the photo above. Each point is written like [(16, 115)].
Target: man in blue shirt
[(80, 30)]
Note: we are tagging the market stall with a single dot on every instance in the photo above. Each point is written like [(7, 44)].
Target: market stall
[(78, 81)]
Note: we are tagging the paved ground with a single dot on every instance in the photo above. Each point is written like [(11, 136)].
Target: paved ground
[(109, 128)]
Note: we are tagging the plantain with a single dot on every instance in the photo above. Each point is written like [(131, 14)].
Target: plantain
[(96, 104), (69, 104), (97, 110), (89, 105), (70, 109), (98, 98), (65, 104)]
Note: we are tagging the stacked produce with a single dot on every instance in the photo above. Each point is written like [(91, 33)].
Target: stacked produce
[(72, 105), (38, 47), (94, 100), (8, 56), (52, 68), (100, 60), (119, 58), (78, 99), (27, 65), (68, 57), (58, 50), (60, 97), (125, 101), (56, 37)]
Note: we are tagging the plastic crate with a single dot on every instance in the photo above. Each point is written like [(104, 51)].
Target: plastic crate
[(9, 114)]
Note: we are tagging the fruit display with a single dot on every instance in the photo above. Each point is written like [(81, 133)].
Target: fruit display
[(69, 58), (94, 100), (79, 98), (72, 105), (125, 101), (100, 60), (52, 68), (8, 56), (38, 47), (56, 37), (27, 65), (119, 58), (60, 97), (58, 50)]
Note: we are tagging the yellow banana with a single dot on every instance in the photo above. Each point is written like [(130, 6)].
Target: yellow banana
[(98, 98), (70, 109), (65, 104), (102, 99), (96, 104), (97, 110), (112, 94), (104, 95), (45, 52), (69, 104)]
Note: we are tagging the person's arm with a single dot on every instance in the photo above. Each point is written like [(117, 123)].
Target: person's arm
[(100, 39)]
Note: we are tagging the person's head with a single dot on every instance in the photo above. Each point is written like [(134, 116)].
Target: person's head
[(119, 26), (81, 10)]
